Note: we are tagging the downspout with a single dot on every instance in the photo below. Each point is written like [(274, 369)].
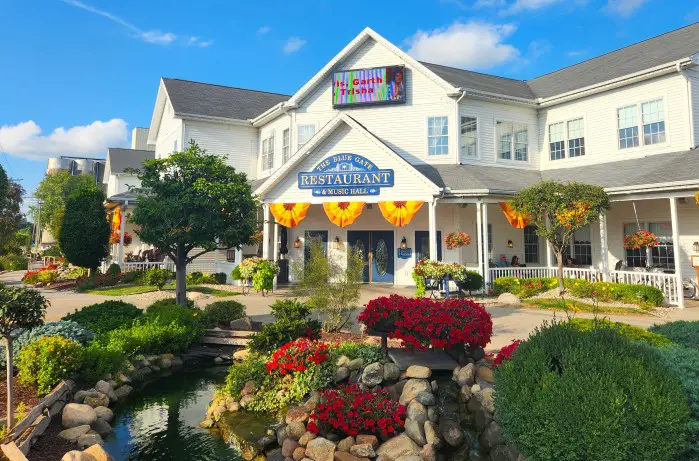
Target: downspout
[(457, 122), (690, 110)]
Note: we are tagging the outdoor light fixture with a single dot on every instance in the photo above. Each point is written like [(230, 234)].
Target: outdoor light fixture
[(695, 247), (403, 243), (510, 244), (297, 243), (338, 243)]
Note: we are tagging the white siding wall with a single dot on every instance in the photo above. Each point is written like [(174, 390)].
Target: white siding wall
[(119, 183), (276, 127), (236, 143), (600, 117), (170, 131), (488, 114)]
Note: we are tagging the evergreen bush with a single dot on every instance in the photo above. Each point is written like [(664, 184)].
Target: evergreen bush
[(291, 322), (680, 332), (105, 316), (223, 312)]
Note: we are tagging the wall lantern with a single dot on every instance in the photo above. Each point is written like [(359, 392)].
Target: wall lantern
[(403, 243), (297, 243), (338, 243), (695, 247), (510, 244)]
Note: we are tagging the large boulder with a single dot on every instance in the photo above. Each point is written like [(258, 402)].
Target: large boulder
[(341, 374), (373, 374), (89, 439), (391, 372), (486, 397), (509, 299), (345, 444), (104, 414), (426, 398), (452, 433), (100, 400), (288, 447), (122, 391), (432, 434), (485, 374), (412, 388), (97, 452), (76, 414), (398, 446), (465, 376), (368, 438), (76, 455), (243, 323), (104, 387), (417, 411), (363, 450), (418, 371), (492, 436), (416, 431), (72, 434), (101, 427), (297, 414), (307, 437), (295, 430), (320, 449)]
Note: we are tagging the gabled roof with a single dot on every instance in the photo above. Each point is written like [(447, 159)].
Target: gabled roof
[(120, 159), (467, 79), (487, 179), (218, 101)]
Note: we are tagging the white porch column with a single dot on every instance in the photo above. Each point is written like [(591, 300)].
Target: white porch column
[(604, 246), (122, 227), (265, 231), (486, 252), (275, 249), (432, 204), (479, 237), (677, 251)]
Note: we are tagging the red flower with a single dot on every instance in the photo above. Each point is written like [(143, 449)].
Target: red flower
[(506, 352), (296, 355)]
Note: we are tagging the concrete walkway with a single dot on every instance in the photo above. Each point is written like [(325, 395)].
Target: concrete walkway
[(509, 322)]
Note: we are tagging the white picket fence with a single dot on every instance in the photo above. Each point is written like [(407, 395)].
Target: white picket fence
[(142, 266), (666, 282)]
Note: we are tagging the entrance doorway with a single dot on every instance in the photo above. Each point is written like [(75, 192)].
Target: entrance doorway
[(376, 248)]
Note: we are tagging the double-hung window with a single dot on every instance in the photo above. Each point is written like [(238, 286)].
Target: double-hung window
[(267, 154), (652, 124), (557, 141), (661, 255), (305, 133), (572, 131), (469, 137), (628, 127), (531, 245), (512, 141), (286, 148), (653, 118), (438, 136), (576, 138)]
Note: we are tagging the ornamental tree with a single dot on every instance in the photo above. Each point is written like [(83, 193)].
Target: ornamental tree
[(84, 232), (559, 210), (19, 308), (53, 193), (191, 204)]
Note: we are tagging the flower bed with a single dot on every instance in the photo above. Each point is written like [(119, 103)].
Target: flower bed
[(296, 356), (421, 323)]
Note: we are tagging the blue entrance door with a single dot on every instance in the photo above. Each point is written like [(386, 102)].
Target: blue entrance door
[(381, 245)]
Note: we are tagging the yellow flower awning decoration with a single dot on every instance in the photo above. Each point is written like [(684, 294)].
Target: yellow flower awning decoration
[(116, 220), (343, 213), (289, 214), (400, 213), (516, 219)]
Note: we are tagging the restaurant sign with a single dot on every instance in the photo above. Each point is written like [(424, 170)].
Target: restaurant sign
[(345, 175)]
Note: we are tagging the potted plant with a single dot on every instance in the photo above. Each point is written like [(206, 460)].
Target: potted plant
[(640, 239), (455, 240)]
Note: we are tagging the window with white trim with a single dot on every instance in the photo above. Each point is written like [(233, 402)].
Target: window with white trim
[(653, 118), (628, 127), (286, 148), (437, 135), (580, 248), (512, 141), (469, 137), (531, 244), (305, 133), (557, 141), (267, 153), (662, 255), (576, 138)]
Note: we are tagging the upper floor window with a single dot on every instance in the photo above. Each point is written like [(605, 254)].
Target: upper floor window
[(653, 115), (513, 141), (469, 137), (437, 135), (305, 133), (628, 127), (557, 141), (286, 148), (267, 157), (576, 138)]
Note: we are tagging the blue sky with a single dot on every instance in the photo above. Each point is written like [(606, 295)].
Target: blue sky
[(77, 76)]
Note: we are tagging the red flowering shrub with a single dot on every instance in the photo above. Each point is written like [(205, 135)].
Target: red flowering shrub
[(297, 356), (421, 323), (506, 352), (353, 411)]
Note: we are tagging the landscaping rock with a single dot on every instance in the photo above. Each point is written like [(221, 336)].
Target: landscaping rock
[(75, 414), (397, 389), (486, 398), (245, 401), (417, 411), (72, 434), (281, 435), (342, 361), (416, 431), (249, 388), (491, 436), (466, 375), (509, 298), (275, 455), (398, 446), (320, 449), (344, 456), (103, 386), (373, 374), (177, 362), (101, 427), (500, 453), (76, 455), (391, 372), (434, 385), (89, 439), (418, 371), (452, 433), (296, 414), (101, 400), (486, 374), (345, 444), (123, 391), (307, 437), (79, 396), (97, 452), (433, 414), (299, 454), (475, 388), (412, 388), (432, 434), (295, 430), (241, 354), (243, 323), (372, 440), (312, 402), (363, 450), (341, 374), (233, 406), (289, 446), (429, 453), (426, 398), (355, 364)]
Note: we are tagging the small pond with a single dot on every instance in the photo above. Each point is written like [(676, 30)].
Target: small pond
[(160, 422)]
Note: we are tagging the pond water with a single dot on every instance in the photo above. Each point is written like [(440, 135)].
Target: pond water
[(160, 422)]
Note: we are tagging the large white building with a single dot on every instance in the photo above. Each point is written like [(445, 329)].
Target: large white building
[(461, 142)]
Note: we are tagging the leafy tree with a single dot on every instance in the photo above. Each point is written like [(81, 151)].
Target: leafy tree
[(19, 308), (332, 289), (11, 218), (193, 203), (559, 210), (53, 193), (84, 233)]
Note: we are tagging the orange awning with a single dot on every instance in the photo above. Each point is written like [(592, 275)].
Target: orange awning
[(400, 213), (289, 214), (343, 213), (516, 219)]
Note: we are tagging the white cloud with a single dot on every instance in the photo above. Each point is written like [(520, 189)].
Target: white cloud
[(624, 8), (263, 30), (149, 36), (523, 5), (538, 48), (473, 45), (293, 44), (197, 41), (27, 140)]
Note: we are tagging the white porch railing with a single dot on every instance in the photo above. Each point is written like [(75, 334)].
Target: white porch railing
[(142, 266), (665, 282)]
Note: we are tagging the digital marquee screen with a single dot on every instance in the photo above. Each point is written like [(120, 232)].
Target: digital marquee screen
[(379, 85)]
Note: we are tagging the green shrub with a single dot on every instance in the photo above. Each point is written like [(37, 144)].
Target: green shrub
[(250, 369), (524, 288), (106, 316), (680, 332), (220, 278), (47, 360), (263, 278), (150, 336), (644, 295), (291, 322), (14, 262), (223, 312), (159, 304), (67, 329), (133, 276), (235, 273), (367, 352), (98, 361), (47, 277), (170, 312), (632, 332), (113, 269), (156, 277), (473, 281), (576, 395), (54, 251), (419, 285)]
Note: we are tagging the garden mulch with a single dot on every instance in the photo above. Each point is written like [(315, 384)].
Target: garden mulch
[(23, 393), (50, 447)]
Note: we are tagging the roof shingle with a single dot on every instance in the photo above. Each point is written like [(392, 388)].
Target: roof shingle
[(120, 159)]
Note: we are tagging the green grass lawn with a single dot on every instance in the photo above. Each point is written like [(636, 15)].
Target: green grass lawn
[(132, 289), (577, 306)]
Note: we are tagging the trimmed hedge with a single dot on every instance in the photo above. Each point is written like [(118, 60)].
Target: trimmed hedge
[(578, 395), (680, 332), (223, 312), (631, 332), (291, 322), (106, 316)]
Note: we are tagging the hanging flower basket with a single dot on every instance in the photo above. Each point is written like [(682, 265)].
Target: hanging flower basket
[(115, 238), (640, 239), (455, 240), (696, 197)]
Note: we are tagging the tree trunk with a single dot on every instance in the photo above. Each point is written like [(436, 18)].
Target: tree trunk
[(10, 388), (561, 285), (181, 276)]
